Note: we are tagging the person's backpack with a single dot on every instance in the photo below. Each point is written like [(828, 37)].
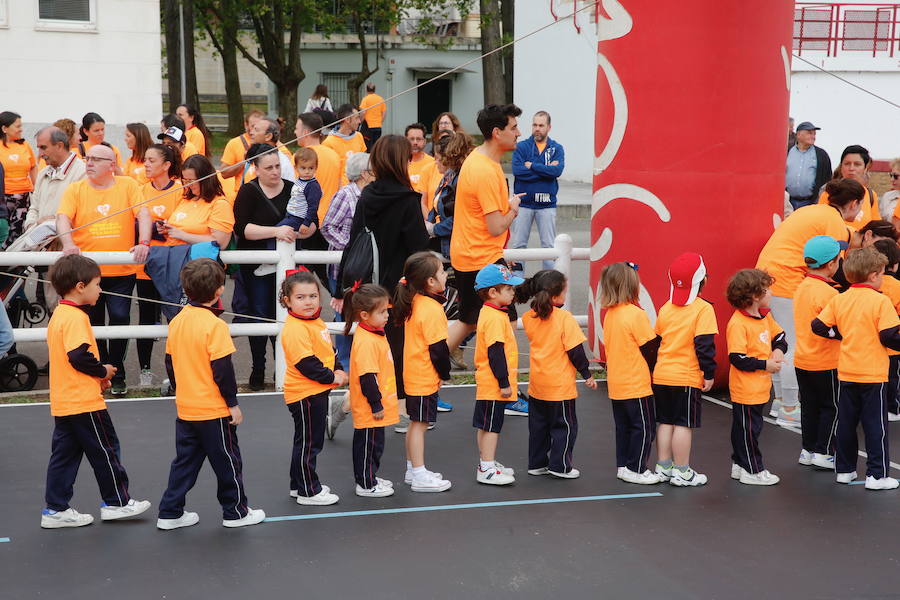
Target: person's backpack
[(360, 260)]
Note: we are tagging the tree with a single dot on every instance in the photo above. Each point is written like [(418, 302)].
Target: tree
[(492, 65), (219, 32), (173, 50), (508, 20), (191, 95)]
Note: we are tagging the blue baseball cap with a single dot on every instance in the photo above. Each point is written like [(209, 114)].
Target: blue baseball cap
[(493, 275), (822, 249)]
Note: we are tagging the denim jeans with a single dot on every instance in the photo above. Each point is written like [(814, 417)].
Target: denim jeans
[(119, 310), (260, 292), (6, 332), (521, 230)]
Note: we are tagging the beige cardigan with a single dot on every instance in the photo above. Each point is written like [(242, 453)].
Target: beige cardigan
[(49, 187)]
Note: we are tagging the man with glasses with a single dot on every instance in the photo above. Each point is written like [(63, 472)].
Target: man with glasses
[(808, 167), (98, 214)]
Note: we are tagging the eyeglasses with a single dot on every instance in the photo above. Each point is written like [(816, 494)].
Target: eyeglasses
[(93, 159)]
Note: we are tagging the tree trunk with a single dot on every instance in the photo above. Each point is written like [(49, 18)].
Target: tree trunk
[(173, 51), (286, 93), (233, 94), (354, 83), (491, 66), (191, 95), (508, 18)]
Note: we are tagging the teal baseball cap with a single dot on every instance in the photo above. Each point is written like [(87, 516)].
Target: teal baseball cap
[(822, 249), (496, 274)]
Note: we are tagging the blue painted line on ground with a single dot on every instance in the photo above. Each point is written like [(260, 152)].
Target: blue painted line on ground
[(394, 511), (862, 482), (2, 540)]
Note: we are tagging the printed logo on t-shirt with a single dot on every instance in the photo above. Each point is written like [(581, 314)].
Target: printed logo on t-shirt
[(414, 178), (179, 216), (14, 157), (326, 336), (159, 210), (764, 336), (103, 209)]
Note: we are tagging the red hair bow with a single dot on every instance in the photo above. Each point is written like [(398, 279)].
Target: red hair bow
[(300, 269), (402, 281), (356, 285)]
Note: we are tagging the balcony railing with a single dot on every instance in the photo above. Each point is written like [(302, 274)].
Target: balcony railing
[(834, 28)]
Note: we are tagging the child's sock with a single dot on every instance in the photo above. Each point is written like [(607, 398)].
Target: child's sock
[(487, 465), (665, 464), (418, 470), (683, 468), (409, 465)]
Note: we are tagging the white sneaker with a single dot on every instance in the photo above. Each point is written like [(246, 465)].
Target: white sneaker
[(146, 378), (295, 493), (736, 471), (254, 517), (892, 417), (665, 473), (761, 478), (262, 271), (379, 491), (57, 519), (572, 474), (822, 461), (494, 476), (845, 477), (427, 482), (335, 414), (885, 483), (788, 418), (805, 458), (390, 484), (505, 470), (185, 520), (687, 478), (645, 478), (776, 406), (323, 498), (132, 509), (408, 477), (541, 471)]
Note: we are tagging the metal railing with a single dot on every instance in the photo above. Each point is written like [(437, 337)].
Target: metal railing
[(285, 257), (838, 27)]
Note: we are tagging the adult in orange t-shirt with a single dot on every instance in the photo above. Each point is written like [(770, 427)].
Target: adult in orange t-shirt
[(93, 133), (137, 138), (855, 161), (236, 148), (483, 214), (421, 165), (19, 170), (196, 132), (345, 139), (373, 109), (97, 214), (203, 214)]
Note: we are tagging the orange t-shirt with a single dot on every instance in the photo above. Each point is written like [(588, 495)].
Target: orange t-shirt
[(344, 148), (370, 353), (87, 146), (427, 325), (753, 337), (420, 173), (300, 339), (431, 187), (540, 146), (71, 391), (494, 326), (860, 314), (195, 137), (677, 363), (196, 338), (198, 217), (813, 352), (160, 207), (868, 209), (373, 108), (480, 190), (552, 374), (626, 328), (236, 150), (229, 188), (188, 151), (135, 170), (782, 256), (890, 287), (328, 174), (17, 159), (85, 204)]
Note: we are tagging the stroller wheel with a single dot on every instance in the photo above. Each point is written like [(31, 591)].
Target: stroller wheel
[(18, 373), (35, 313)]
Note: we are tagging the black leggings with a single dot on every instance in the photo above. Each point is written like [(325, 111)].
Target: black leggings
[(148, 314)]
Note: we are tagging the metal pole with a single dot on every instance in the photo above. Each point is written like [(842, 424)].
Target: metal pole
[(285, 262), (563, 245)]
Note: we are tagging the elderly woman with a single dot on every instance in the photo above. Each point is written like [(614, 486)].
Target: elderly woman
[(889, 200)]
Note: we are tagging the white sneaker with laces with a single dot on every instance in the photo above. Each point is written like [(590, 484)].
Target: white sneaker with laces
[(736, 471), (776, 406), (885, 483), (805, 458), (57, 519), (388, 483), (645, 478), (494, 476), (845, 477), (665, 473), (323, 498), (789, 418), (295, 493), (254, 517), (761, 478), (379, 491), (540, 471), (505, 470), (146, 378), (336, 414), (427, 482), (185, 520), (571, 474), (262, 271), (892, 417), (132, 509), (823, 461), (687, 478), (408, 476)]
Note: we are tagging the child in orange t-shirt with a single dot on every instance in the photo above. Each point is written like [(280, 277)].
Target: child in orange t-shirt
[(556, 356), (631, 348), (82, 423), (419, 309), (496, 368), (313, 371), (890, 287), (373, 387), (756, 348), (198, 362)]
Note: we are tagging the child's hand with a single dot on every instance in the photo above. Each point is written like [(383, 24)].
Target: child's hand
[(778, 355), (110, 371), (506, 392), (773, 366), (105, 384), (591, 383), (707, 385), (378, 416), (340, 378), (237, 417)]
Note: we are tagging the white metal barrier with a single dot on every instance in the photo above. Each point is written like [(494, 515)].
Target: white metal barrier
[(285, 257)]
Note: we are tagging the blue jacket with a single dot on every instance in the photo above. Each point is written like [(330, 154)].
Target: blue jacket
[(539, 182)]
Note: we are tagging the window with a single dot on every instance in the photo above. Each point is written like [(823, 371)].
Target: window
[(337, 87), (67, 15)]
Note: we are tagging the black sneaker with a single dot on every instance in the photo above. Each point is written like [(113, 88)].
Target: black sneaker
[(257, 381), (118, 387)]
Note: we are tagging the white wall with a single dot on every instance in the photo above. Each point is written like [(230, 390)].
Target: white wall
[(112, 70)]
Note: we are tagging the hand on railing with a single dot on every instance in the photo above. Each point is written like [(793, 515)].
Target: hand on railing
[(140, 253), (285, 234)]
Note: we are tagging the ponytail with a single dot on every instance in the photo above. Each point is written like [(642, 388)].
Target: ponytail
[(365, 298), (541, 289), (417, 270)]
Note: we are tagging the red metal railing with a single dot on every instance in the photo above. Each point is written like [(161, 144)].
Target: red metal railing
[(837, 27)]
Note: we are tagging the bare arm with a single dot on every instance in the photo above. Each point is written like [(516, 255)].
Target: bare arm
[(498, 223), (260, 232), (64, 230)]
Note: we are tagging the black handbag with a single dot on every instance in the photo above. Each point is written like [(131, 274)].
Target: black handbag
[(360, 260)]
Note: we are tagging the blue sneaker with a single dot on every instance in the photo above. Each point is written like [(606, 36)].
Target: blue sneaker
[(518, 408), (444, 406)]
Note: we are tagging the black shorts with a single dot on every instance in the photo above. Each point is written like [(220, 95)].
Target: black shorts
[(677, 405), (422, 409), (488, 415), (469, 301)]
